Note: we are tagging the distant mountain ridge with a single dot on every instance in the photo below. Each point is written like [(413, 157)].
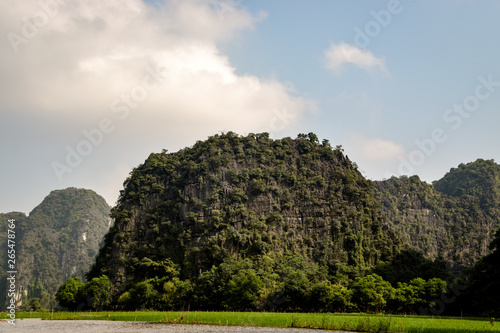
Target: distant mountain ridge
[(478, 181), (236, 206), (188, 218), (452, 220), (59, 239)]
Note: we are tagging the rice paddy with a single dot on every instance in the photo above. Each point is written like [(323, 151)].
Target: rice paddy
[(322, 321)]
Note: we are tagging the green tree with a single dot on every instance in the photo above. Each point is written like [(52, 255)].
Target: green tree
[(434, 288), (33, 304), (144, 295), (409, 296), (296, 290), (417, 294), (97, 292), (177, 294), (328, 297), (69, 294), (371, 293), (242, 291)]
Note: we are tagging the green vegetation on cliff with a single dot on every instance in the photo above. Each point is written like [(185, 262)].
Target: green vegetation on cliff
[(58, 240), (243, 223), (252, 223), (452, 221)]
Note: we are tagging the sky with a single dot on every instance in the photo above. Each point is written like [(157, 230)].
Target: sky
[(89, 88)]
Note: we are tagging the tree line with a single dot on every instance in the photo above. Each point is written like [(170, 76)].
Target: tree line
[(262, 285)]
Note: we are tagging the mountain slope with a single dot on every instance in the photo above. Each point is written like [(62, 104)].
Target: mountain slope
[(453, 220), (244, 198), (477, 181), (59, 239)]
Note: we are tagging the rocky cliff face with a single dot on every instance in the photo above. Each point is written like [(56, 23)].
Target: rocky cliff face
[(59, 239), (245, 197), (286, 213), (453, 220)]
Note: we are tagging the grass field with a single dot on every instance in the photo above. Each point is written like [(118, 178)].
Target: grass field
[(345, 322)]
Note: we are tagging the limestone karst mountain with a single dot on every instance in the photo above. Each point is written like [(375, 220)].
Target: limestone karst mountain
[(453, 220), (59, 239)]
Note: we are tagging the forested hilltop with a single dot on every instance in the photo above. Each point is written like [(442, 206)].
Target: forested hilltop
[(58, 240), (278, 215), (252, 223), (453, 220)]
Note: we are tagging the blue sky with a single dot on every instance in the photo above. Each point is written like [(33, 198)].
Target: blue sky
[(433, 51), (89, 89)]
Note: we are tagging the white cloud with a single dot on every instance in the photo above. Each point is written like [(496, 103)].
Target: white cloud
[(376, 157), (92, 52), (382, 149), (69, 62), (376, 148), (341, 54)]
